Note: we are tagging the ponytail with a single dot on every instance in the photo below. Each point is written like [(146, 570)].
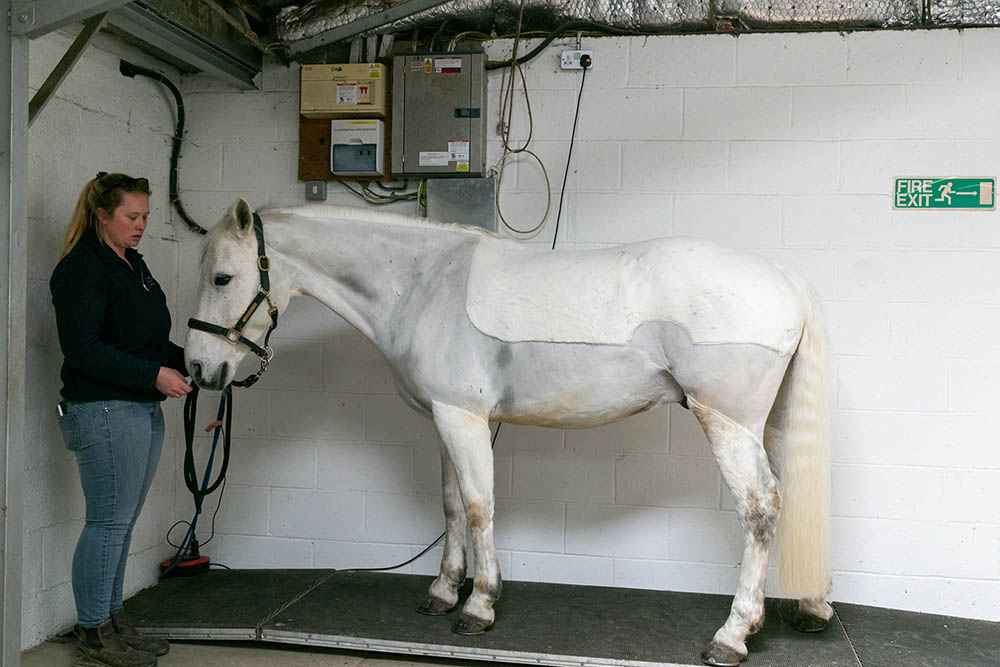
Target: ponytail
[(104, 191), (84, 217)]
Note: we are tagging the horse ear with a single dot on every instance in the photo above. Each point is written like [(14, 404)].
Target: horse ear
[(243, 216)]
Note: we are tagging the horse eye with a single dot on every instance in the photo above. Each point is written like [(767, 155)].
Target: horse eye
[(222, 279)]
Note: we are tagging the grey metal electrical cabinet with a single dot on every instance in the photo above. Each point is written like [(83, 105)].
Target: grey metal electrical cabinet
[(438, 115)]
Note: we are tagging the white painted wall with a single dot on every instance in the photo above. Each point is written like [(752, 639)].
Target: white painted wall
[(98, 120), (784, 144)]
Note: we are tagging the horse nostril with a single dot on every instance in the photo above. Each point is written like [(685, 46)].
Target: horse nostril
[(196, 371)]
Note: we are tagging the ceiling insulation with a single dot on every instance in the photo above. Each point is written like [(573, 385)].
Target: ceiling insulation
[(295, 22)]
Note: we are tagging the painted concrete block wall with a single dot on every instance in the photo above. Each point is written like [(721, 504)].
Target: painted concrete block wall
[(98, 120), (783, 144)]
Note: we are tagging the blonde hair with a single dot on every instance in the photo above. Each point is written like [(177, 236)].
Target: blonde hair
[(104, 191)]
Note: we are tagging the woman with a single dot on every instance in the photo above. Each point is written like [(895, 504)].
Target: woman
[(119, 364)]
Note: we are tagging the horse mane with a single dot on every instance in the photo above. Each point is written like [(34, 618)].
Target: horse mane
[(318, 211)]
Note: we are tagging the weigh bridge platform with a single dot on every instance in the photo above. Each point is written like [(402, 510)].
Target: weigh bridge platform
[(540, 624)]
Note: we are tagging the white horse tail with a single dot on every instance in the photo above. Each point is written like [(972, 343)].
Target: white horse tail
[(803, 407)]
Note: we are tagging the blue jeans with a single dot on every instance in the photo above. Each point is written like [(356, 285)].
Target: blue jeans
[(117, 446)]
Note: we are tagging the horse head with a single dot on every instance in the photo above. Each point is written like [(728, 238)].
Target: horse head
[(234, 299)]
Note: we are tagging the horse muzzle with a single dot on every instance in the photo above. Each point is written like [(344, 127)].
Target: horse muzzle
[(215, 381)]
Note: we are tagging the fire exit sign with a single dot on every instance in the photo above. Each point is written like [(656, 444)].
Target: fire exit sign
[(948, 193)]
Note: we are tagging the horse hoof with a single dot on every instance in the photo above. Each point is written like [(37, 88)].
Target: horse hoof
[(806, 622), (470, 625), (432, 606), (720, 655)]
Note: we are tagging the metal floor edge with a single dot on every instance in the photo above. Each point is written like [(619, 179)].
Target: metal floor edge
[(538, 623)]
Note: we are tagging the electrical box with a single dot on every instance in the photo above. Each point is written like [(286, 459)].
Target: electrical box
[(357, 147), (343, 91), (439, 115), (465, 201)]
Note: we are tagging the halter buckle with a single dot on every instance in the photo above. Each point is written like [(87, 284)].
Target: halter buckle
[(233, 335), (265, 292), (263, 263)]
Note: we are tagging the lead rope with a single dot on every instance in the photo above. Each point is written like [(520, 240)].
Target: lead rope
[(189, 547)]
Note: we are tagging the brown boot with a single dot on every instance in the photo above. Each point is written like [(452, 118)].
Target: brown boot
[(134, 638), (102, 647)]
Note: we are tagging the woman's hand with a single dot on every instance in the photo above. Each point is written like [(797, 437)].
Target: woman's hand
[(171, 383)]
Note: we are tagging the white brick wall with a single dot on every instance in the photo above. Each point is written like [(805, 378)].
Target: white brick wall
[(98, 120), (783, 144)]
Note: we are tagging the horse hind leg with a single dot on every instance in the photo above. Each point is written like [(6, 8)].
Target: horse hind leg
[(467, 439), (744, 464), (812, 615), (442, 596)]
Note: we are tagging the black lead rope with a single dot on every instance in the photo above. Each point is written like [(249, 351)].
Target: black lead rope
[(188, 549), (264, 353), (199, 491)]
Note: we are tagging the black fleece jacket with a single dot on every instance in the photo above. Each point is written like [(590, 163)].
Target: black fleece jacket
[(113, 325)]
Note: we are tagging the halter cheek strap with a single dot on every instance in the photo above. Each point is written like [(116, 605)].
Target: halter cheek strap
[(235, 332)]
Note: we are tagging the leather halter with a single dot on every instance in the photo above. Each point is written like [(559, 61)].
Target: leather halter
[(235, 332)]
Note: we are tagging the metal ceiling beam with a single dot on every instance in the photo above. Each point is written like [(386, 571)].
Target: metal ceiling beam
[(370, 22), (176, 43), (66, 63), (34, 18)]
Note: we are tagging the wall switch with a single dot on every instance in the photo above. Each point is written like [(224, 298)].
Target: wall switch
[(316, 190)]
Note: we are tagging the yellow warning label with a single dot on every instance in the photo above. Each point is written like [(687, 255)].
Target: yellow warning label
[(462, 166)]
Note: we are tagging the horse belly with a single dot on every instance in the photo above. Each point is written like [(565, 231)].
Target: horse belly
[(581, 386)]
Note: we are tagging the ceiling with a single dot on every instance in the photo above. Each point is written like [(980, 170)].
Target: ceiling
[(229, 38)]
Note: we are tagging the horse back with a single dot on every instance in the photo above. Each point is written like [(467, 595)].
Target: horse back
[(717, 294)]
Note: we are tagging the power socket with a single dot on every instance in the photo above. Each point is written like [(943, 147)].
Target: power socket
[(571, 59)]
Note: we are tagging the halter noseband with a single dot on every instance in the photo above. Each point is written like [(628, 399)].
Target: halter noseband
[(235, 332)]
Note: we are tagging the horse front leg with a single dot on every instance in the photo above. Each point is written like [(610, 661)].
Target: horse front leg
[(442, 596), (743, 461), (466, 438)]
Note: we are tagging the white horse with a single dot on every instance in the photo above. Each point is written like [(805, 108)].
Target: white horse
[(478, 328)]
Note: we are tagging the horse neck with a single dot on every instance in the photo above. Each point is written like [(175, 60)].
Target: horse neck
[(360, 269)]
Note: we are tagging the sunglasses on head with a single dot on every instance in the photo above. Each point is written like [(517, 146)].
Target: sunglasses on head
[(121, 180)]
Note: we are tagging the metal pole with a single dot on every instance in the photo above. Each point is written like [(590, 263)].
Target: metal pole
[(13, 297)]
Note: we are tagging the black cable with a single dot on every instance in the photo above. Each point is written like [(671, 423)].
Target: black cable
[(374, 202), (592, 26), (130, 70), (569, 155), (171, 529), (430, 546), (392, 188), (222, 491)]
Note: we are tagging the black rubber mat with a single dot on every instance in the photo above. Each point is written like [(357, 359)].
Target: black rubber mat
[(892, 638), (219, 600), (541, 623)]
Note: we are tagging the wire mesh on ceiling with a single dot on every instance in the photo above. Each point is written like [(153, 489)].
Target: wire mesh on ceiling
[(647, 16)]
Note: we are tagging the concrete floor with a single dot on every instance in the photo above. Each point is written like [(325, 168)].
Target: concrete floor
[(58, 652)]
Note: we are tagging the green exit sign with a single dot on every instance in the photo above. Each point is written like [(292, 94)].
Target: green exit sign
[(950, 193)]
